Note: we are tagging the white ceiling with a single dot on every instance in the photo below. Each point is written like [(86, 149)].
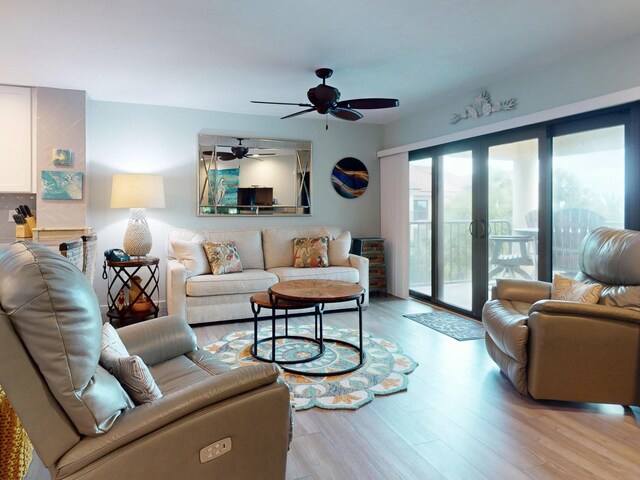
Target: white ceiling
[(218, 55)]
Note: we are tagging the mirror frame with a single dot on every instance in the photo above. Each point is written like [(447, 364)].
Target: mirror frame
[(210, 146)]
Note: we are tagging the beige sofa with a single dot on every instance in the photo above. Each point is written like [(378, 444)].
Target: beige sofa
[(266, 255)]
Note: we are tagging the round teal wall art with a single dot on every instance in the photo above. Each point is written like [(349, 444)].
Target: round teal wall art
[(350, 177)]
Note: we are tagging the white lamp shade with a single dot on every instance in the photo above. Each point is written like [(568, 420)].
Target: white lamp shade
[(137, 191)]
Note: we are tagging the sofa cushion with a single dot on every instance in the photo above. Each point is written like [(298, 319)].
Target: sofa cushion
[(192, 255), (248, 242), (611, 256), (339, 250), (311, 252), (184, 370), (346, 274), (247, 281), (184, 235), (223, 257), (278, 243)]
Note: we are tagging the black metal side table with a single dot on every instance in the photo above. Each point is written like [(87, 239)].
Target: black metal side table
[(132, 289)]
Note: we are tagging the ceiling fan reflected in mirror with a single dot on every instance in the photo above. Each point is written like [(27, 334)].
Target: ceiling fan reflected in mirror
[(238, 152), (326, 99)]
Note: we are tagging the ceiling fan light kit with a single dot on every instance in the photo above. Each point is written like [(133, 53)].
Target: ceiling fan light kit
[(326, 99)]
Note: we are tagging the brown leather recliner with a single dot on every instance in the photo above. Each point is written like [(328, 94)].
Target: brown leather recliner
[(562, 350), (76, 413)]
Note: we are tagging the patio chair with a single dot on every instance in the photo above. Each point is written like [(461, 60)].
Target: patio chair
[(508, 252), (570, 226)]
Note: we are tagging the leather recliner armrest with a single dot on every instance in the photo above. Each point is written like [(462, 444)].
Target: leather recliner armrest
[(159, 339), (526, 291), (144, 419), (562, 307)]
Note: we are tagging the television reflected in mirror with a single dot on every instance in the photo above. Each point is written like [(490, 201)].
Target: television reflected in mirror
[(250, 176)]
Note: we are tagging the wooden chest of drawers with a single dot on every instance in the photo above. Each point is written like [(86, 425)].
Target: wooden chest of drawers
[(373, 249)]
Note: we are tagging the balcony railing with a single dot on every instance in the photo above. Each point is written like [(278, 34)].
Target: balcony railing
[(457, 245)]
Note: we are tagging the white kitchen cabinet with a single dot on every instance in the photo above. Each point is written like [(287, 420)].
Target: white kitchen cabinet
[(16, 168)]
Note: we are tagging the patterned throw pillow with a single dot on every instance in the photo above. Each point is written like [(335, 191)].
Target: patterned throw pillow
[(310, 252), (131, 371), (223, 257), (135, 377), (112, 347), (564, 288)]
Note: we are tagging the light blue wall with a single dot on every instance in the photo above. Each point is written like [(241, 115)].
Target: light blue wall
[(164, 140), (586, 76)]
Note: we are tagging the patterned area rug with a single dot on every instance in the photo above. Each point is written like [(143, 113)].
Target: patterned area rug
[(452, 325), (384, 371)]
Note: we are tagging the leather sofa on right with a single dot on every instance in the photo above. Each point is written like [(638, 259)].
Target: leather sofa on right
[(569, 350)]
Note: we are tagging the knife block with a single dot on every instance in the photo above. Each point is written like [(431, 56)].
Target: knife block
[(23, 231), (31, 222)]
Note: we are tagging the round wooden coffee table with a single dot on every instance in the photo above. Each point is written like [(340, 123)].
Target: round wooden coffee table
[(316, 293), (265, 300)]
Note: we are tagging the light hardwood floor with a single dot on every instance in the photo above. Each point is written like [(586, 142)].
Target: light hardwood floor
[(459, 419)]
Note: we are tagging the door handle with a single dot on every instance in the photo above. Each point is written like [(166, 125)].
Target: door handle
[(471, 228), (482, 229)]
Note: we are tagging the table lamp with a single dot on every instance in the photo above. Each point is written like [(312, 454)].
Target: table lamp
[(137, 192)]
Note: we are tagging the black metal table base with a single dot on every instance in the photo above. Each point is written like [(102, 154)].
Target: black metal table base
[(255, 354), (319, 340)]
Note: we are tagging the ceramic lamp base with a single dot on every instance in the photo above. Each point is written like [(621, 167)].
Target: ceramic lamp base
[(137, 238)]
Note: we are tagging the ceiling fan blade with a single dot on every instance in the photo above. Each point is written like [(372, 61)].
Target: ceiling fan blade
[(299, 113), (345, 114), (224, 156), (369, 103), (284, 103)]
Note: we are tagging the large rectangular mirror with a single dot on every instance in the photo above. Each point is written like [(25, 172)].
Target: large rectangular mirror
[(250, 176)]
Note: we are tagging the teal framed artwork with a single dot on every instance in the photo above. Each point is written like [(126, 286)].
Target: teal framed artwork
[(62, 158), (58, 185)]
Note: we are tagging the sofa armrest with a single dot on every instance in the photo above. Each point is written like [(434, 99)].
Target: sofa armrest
[(176, 288), (142, 420), (159, 339), (362, 265), (577, 309), (526, 291)]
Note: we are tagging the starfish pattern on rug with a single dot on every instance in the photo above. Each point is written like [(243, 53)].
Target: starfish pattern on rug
[(383, 373)]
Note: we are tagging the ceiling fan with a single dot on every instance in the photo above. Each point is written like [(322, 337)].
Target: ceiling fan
[(325, 99), (237, 152)]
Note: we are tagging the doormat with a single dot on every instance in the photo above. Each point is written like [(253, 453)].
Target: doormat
[(452, 325), (383, 373)]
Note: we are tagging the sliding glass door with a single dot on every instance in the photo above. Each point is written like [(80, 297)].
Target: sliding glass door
[(513, 210), (518, 204), (588, 190), (454, 230), (481, 224)]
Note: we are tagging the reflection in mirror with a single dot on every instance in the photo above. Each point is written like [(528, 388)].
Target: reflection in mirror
[(248, 176)]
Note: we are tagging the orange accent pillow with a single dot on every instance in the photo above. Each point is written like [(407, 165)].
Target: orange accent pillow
[(310, 252)]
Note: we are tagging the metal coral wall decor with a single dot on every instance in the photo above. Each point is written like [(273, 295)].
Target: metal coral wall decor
[(483, 107)]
